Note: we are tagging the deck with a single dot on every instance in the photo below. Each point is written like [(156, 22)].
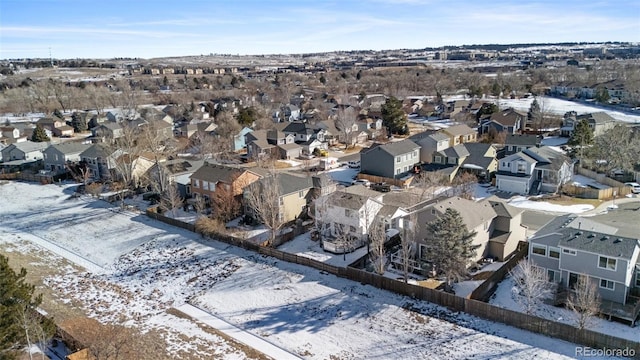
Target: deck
[(627, 312)]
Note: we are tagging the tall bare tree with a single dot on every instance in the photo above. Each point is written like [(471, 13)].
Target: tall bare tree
[(377, 239), (344, 122), (584, 301), (264, 197), (171, 199), (532, 285), (407, 243)]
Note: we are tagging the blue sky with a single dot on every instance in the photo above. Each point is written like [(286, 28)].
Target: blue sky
[(144, 28)]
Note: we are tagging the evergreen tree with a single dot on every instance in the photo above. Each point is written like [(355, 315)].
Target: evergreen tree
[(487, 109), (18, 325), (58, 114), (393, 117), (450, 245), (602, 95), (246, 116), (581, 137), (535, 113), (79, 122), (39, 135)]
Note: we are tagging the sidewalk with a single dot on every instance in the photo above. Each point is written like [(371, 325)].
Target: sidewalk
[(235, 332), (605, 205)]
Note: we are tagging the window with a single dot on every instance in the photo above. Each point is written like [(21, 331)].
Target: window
[(551, 275), (301, 194), (398, 159), (438, 159), (196, 183), (522, 168), (504, 164), (607, 263), (398, 171), (415, 153), (554, 253), (510, 148), (569, 252), (451, 160), (606, 284), (348, 212), (539, 250)]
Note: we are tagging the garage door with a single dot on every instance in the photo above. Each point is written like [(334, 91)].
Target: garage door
[(519, 187)]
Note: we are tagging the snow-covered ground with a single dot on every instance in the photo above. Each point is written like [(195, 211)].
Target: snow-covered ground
[(523, 202), (583, 181), (554, 141), (483, 191), (149, 267), (560, 107), (302, 245), (343, 175), (505, 297)]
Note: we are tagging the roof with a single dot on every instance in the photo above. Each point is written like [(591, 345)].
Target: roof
[(70, 148), (458, 151), (600, 117), (507, 117), (28, 146), (599, 243), (583, 223), (477, 156), (396, 148), (321, 180), (289, 183), (291, 146), (347, 200), (503, 209), (520, 155), (545, 154), (522, 139), (298, 127), (95, 151), (215, 173), (362, 190), (458, 130), (111, 125), (473, 213), (180, 166)]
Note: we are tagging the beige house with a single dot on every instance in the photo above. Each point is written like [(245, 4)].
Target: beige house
[(460, 134), (210, 177), (294, 194)]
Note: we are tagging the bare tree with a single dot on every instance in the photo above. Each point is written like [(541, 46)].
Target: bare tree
[(531, 285), (199, 204), (344, 122), (94, 189), (584, 301), (377, 239), (171, 199), (263, 197), (226, 205), (429, 182), (464, 185), (407, 241)]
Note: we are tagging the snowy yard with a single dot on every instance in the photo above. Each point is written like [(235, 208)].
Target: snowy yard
[(141, 268), (524, 202), (343, 175), (302, 245), (504, 297), (583, 181)]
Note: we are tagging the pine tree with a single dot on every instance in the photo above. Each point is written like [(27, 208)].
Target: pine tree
[(581, 137), (39, 135), (535, 113), (17, 306), (393, 117), (450, 245), (79, 122)]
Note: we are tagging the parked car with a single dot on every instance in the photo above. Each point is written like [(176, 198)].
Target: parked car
[(382, 187), (635, 187), (354, 164), (364, 182)]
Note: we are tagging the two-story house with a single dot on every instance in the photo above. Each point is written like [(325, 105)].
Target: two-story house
[(56, 158), (271, 143), (509, 121), (177, 171), (56, 126), (533, 170), (10, 134), (25, 152), (294, 193), (309, 137), (392, 160), (100, 160), (599, 122), (430, 142), (515, 143), (611, 261), (210, 177), (107, 131), (459, 134)]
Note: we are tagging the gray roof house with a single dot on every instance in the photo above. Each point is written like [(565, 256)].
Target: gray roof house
[(392, 160), (599, 122), (610, 261), (533, 170), (100, 160), (57, 157), (515, 143), (23, 153)]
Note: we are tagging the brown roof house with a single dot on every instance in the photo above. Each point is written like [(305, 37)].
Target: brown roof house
[(210, 177), (509, 121)]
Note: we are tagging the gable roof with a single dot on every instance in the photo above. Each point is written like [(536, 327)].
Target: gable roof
[(522, 139), (289, 183), (28, 146), (458, 151), (473, 213), (347, 200), (70, 148), (215, 173), (396, 148), (507, 117), (95, 151), (458, 130), (600, 117), (505, 210)]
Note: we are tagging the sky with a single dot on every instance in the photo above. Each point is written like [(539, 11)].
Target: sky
[(160, 28)]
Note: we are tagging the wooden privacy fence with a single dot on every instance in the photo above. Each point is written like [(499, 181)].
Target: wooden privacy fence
[(379, 179), (600, 194), (484, 291), (470, 306), (601, 178)]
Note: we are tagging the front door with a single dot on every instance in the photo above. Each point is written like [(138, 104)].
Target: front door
[(573, 279)]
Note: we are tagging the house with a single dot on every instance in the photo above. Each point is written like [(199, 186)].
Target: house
[(57, 157), (100, 160), (509, 121), (482, 160), (177, 171), (57, 127), (533, 170), (187, 131), (26, 152), (294, 194), (599, 122), (343, 218), (288, 112), (392, 160), (430, 142), (107, 130), (611, 261), (271, 143), (507, 232), (515, 143), (239, 139), (459, 134), (9, 134), (210, 177)]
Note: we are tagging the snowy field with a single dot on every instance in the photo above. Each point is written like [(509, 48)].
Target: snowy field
[(504, 297), (140, 268), (560, 107), (523, 202)]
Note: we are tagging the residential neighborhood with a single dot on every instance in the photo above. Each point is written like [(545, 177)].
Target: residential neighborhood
[(249, 211)]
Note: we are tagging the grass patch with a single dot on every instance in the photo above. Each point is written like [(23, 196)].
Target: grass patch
[(249, 352), (568, 200)]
